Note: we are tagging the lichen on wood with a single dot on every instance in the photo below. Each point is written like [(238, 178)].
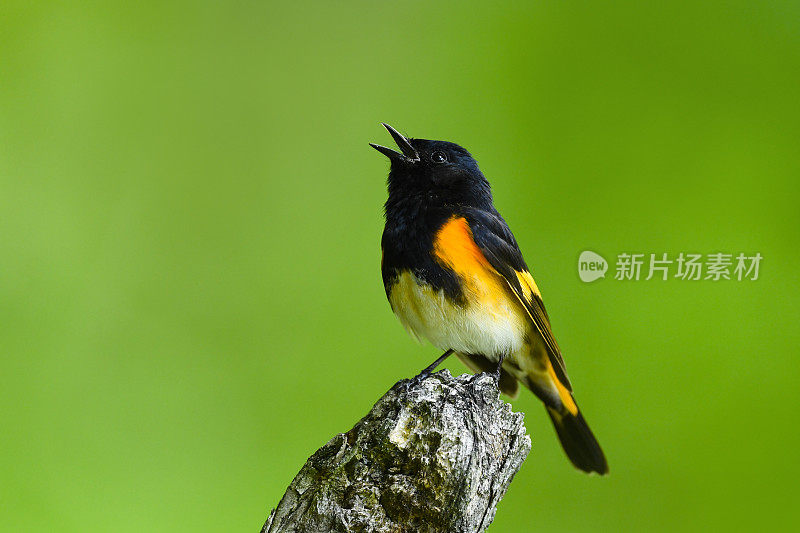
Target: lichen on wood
[(431, 456)]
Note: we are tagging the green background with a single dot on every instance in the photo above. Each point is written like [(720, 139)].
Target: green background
[(190, 215)]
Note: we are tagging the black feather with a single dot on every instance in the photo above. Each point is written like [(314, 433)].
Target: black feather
[(579, 442)]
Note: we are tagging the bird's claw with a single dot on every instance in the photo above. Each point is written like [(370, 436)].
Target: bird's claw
[(495, 374), (416, 380)]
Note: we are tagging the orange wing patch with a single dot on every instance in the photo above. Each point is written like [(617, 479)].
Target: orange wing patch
[(455, 248)]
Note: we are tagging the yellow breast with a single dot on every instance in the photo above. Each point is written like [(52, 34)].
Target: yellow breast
[(486, 324)]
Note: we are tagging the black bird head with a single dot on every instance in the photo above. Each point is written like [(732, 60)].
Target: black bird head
[(434, 173)]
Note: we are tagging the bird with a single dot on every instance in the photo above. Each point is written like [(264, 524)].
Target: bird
[(454, 275)]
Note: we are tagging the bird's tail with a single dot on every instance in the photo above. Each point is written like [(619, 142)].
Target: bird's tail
[(578, 440)]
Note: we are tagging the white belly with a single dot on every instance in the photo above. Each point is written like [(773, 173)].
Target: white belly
[(492, 328)]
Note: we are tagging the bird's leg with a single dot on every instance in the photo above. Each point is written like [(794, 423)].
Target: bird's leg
[(430, 368), (496, 372)]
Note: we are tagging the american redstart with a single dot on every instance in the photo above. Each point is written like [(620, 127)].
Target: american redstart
[(455, 276)]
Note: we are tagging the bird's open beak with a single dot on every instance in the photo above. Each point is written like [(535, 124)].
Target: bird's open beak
[(409, 154)]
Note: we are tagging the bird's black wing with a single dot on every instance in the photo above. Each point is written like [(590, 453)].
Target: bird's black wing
[(495, 240)]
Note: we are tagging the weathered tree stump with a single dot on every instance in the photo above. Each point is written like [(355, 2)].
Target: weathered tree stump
[(433, 456)]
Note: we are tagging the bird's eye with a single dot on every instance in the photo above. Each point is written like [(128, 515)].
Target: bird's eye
[(439, 157)]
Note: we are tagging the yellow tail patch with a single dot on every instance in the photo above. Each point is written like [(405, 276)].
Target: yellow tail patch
[(563, 392)]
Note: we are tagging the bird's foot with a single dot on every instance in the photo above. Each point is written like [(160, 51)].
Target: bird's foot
[(426, 373), (416, 380), (496, 372)]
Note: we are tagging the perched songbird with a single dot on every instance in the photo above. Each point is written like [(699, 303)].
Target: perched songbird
[(455, 276)]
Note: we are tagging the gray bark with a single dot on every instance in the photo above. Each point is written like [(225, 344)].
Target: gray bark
[(436, 456)]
